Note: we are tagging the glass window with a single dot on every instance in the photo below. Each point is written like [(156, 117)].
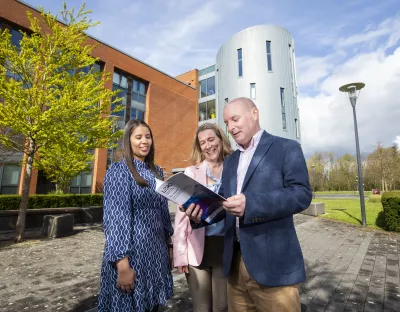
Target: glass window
[(207, 70), (122, 94), (202, 111), (142, 88), (253, 91), (116, 78), (133, 113), (124, 82), (86, 179), (11, 174), (211, 109), (140, 114), (97, 67), (135, 86), (9, 179), (82, 183), (211, 85), (283, 108), (297, 128), (207, 110), (203, 88), (142, 99), (16, 37), (240, 65), (269, 58), (139, 92), (76, 181)]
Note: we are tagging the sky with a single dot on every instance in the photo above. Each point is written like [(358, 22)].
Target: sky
[(336, 42)]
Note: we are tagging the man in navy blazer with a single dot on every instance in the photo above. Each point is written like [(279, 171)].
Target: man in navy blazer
[(265, 183)]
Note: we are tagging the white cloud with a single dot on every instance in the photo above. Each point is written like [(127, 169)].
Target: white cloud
[(327, 120), (389, 27), (176, 40), (397, 141)]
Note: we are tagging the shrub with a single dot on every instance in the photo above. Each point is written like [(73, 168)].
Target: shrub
[(375, 198), (11, 202), (391, 209)]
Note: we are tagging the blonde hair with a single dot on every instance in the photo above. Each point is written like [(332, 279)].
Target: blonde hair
[(196, 156)]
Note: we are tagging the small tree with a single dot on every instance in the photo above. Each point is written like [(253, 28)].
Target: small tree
[(61, 163), (51, 94)]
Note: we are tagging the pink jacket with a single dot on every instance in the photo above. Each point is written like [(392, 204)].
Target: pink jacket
[(188, 243)]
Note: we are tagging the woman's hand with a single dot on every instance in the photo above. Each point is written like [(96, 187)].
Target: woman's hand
[(171, 259), (126, 275), (183, 269)]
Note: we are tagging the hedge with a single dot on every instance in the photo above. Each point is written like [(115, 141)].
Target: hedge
[(11, 202), (391, 209)]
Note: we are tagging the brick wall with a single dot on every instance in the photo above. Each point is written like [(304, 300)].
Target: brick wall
[(171, 108)]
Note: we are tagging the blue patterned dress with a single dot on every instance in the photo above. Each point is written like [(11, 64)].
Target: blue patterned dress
[(136, 224)]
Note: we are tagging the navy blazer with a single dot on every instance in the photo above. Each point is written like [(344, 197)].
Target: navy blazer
[(276, 187)]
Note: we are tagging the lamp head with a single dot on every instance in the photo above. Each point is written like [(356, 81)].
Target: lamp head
[(351, 89)]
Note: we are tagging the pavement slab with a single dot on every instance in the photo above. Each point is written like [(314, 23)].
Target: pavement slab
[(348, 269)]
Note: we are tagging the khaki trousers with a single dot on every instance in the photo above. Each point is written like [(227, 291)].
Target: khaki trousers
[(207, 284), (246, 295)]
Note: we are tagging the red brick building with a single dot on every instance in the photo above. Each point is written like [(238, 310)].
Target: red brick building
[(168, 104)]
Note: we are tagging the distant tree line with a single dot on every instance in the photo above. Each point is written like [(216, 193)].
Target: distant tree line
[(381, 169)]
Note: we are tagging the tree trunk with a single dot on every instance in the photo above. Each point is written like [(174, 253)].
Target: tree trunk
[(20, 226)]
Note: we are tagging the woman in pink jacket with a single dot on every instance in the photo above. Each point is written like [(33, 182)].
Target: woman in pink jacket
[(198, 253)]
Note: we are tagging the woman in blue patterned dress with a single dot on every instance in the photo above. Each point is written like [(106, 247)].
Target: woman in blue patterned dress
[(136, 268)]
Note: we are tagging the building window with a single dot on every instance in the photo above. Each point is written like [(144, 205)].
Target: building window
[(207, 87), (294, 72), (226, 101), (207, 70), (16, 38), (291, 67), (269, 58), (253, 91), (120, 82), (9, 179), (283, 108), (297, 128), (82, 184), (97, 67), (207, 110), (133, 90), (240, 62), (139, 91), (138, 102)]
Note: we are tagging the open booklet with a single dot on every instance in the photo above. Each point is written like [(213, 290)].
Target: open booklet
[(183, 190)]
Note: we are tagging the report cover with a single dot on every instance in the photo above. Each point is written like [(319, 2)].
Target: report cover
[(183, 190)]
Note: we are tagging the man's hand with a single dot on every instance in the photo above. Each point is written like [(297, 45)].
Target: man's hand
[(193, 212), (235, 205), (183, 269)]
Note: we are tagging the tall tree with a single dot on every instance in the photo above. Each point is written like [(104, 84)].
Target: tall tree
[(51, 94)]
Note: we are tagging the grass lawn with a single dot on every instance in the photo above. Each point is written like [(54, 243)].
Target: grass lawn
[(348, 210), (366, 193)]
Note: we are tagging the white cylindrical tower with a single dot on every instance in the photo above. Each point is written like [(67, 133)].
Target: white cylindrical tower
[(259, 63)]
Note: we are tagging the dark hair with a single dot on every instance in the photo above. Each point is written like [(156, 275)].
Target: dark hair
[(149, 159)]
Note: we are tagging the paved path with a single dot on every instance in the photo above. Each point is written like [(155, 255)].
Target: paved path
[(348, 268)]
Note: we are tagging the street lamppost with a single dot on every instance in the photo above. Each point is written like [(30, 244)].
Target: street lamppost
[(313, 179), (351, 89)]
